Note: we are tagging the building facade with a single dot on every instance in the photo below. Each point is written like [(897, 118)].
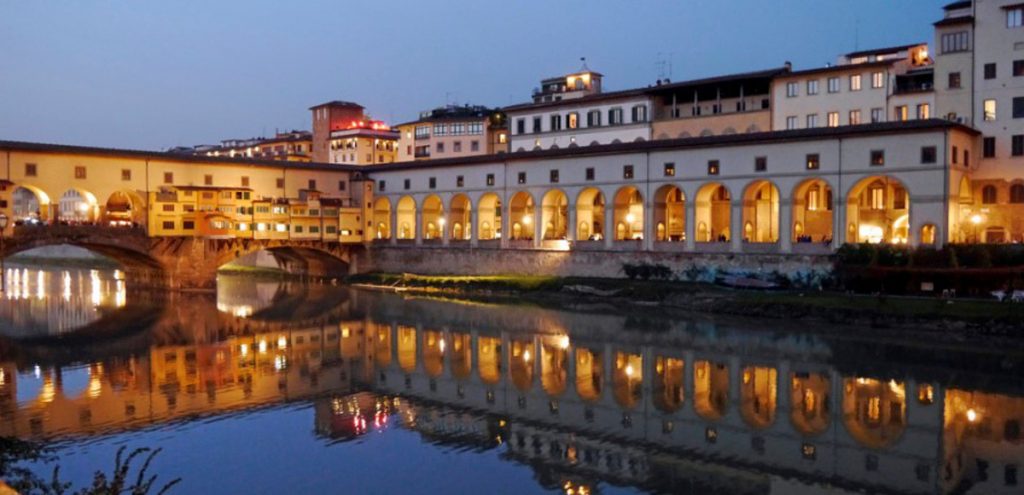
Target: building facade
[(453, 131)]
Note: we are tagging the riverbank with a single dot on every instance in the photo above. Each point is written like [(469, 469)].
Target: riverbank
[(959, 318)]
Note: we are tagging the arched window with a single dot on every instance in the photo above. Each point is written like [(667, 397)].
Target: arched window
[(1017, 193), (988, 195), (928, 234)]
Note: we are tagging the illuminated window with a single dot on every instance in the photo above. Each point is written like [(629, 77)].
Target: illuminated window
[(813, 161), (924, 111), (855, 82), (573, 120), (900, 113), (877, 158), (877, 80), (670, 169), (833, 119), (877, 198), (713, 167), (627, 172), (854, 117), (989, 107)]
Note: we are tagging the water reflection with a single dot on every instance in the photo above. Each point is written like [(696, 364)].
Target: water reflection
[(581, 398), (38, 302)]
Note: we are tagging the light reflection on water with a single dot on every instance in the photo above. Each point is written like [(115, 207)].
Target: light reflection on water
[(269, 385), (38, 302)]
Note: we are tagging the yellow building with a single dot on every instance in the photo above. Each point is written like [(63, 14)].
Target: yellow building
[(293, 146), (365, 142)]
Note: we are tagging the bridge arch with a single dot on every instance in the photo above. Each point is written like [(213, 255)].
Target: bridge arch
[(77, 205), (124, 207), (30, 203)]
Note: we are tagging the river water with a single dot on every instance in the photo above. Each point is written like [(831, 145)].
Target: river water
[(282, 387)]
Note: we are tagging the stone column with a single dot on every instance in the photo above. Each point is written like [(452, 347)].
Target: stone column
[(609, 224), (446, 227), (839, 221), (570, 229), (538, 225), (418, 228), (474, 236), (648, 242), (393, 225), (786, 225), (506, 223), (736, 226)]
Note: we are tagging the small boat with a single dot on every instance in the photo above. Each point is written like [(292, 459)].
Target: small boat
[(746, 283)]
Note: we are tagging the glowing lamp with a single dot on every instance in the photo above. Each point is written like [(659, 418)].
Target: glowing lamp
[(976, 219), (527, 219), (972, 415), (630, 218)]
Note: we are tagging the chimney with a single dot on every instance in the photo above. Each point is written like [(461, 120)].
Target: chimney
[(788, 65)]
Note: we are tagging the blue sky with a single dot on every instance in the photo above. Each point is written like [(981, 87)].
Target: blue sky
[(156, 74)]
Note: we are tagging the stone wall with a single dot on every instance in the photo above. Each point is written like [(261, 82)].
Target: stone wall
[(466, 261)]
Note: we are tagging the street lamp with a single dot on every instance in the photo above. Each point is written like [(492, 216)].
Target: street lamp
[(3, 273), (976, 221)]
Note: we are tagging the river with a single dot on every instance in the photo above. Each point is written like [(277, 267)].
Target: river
[(270, 386)]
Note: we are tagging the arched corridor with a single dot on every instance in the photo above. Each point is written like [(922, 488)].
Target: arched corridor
[(489, 211), (382, 218), (761, 212), (554, 215), (812, 212), (629, 214), (124, 208), (433, 218), (878, 211), (874, 411), (406, 218), (713, 213), (759, 396), (811, 404), (521, 216), (710, 389), (590, 215), (669, 214), (460, 217), (77, 206), (668, 384)]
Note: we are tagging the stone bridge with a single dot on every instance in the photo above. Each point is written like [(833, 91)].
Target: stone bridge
[(181, 263)]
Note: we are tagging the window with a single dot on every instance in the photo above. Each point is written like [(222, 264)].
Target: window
[(168, 208), (924, 111), (280, 182), (928, 154), (900, 113), (812, 87), (341, 185), (460, 181), (30, 170), (440, 129), (877, 115), (1018, 107), (670, 170), (713, 167), (1015, 17), (407, 184), (877, 158), (967, 158), (382, 185), (877, 79), (572, 120), (537, 124), (792, 89), (813, 161), (457, 146), (474, 146), (312, 184), (520, 126), (833, 85), (627, 171), (1010, 475), (760, 163), (522, 178), (594, 118), (589, 173), (1017, 193), (490, 179), (423, 131), (126, 174), (812, 121), (854, 117), (432, 182), (833, 119), (458, 129), (188, 225), (169, 178), (440, 147), (1017, 145), (954, 80), (988, 147), (791, 122), (990, 71), (989, 107), (640, 113), (245, 181), (955, 42), (955, 154), (988, 195), (554, 176), (615, 116), (168, 225), (556, 122), (207, 180), (1018, 68), (297, 228), (855, 82)]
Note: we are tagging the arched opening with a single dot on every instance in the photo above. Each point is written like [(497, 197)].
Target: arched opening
[(555, 215), (433, 217), (928, 234), (521, 215), (461, 355), (521, 364), (489, 211), (629, 214), (382, 218), (30, 205), (874, 411), (407, 348), (628, 379), (77, 206), (812, 212), (710, 389), (759, 396), (761, 212), (554, 367), (489, 359), (809, 394), (590, 215), (460, 217), (406, 218), (433, 352), (668, 384), (714, 211), (878, 211), (382, 346), (124, 209), (670, 214), (589, 374)]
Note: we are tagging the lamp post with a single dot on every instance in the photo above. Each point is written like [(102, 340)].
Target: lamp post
[(976, 221), (3, 273)]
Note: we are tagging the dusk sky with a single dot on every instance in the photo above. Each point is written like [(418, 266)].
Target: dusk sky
[(153, 75)]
